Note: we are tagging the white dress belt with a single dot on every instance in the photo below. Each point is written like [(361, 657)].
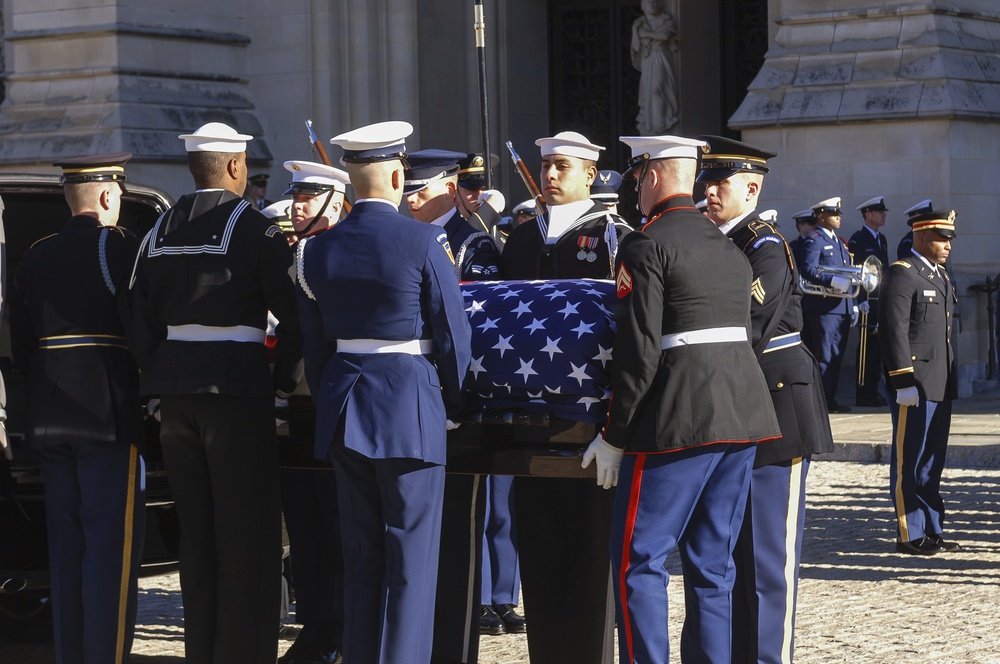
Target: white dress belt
[(712, 335), (367, 346), (242, 333)]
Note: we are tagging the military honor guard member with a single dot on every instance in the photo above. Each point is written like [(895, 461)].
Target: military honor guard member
[(309, 495), (384, 380), (431, 192), (769, 547), (684, 457), (805, 224), (564, 524), (69, 324), (906, 243), (827, 318), (869, 241), (207, 275), (256, 191), (916, 314), (605, 190)]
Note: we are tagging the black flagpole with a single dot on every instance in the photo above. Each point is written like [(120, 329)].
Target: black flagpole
[(480, 27)]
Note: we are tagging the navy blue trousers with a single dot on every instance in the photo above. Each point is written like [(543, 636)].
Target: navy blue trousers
[(919, 443), (767, 558), (501, 569), (826, 335), (95, 513), (693, 500), (390, 520)]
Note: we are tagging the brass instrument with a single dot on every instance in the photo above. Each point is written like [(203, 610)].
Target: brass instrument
[(868, 275)]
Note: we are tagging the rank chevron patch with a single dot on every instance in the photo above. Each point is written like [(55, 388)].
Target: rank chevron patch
[(623, 283), (757, 290)]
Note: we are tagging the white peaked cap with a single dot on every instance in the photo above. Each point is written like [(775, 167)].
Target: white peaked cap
[(320, 175), (215, 137)]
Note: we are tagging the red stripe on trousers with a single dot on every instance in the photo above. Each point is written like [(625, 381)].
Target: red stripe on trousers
[(633, 507)]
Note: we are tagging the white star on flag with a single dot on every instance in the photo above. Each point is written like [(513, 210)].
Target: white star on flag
[(476, 366), (579, 373), (555, 293), (570, 308), (582, 329), (475, 308), (522, 308), (603, 355), (536, 325), (504, 344), (488, 325), (552, 347), (526, 370)]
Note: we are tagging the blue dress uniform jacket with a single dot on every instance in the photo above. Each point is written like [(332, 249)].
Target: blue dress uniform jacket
[(770, 541), (820, 250), (207, 275), (69, 320), (915, 323), (476, 254)]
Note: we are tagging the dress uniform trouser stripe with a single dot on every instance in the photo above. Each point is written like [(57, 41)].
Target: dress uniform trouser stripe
[(475, 543), (633, 507), (904, 530), (791, 546), (123, 592)]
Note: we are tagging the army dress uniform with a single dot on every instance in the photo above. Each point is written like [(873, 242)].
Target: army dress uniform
[(917, 306), (69, 323), (206, 277), (682, 346), (865, 243)]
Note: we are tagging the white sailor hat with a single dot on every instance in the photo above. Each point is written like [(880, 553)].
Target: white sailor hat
[(215, 137), (922, 207), (526, 207), (877, 203), (829, 205), (648, 148), (804, 217), (281, 214), (570, 144), (770, 216), (382, 141), (310, 178)]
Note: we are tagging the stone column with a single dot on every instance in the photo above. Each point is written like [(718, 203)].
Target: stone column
[(862, 98)]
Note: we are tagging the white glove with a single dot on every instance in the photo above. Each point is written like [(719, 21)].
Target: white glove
[(854, 316), (5, 442), (451, 426), (864, 307), (609, 460), (843, 284), (494, 198), (908, 396), (153, 409), (280, 411)]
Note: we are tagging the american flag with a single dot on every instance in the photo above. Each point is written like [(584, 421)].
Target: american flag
[(541, 346)]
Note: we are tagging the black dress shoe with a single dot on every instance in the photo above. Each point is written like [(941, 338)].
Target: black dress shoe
[(312, 656), (925, 546), (871, 402), (512, 622), (489, 621), (944, 544)]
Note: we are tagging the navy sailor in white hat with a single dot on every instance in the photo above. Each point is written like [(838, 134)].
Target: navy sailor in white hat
[(208, 273), (384, 379)]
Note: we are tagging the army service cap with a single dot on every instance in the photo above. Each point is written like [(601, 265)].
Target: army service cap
[(310, 178), (725, 157), (96, 168), (648, 148), (426, 166), (472, 170), (215, 137), (942, 222), (877, 203), (382, 141), (569, 144)]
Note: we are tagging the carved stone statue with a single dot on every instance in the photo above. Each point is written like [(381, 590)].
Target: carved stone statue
[(654, 40)]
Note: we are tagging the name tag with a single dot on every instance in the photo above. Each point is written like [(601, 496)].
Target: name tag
[(929, 293), (829, 246)]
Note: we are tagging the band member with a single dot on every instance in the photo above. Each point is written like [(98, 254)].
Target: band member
[(383, 378), (769, 547), (207, 275), (916, 313), (567, 605), (69, 322), (680, 337), (869, 241)]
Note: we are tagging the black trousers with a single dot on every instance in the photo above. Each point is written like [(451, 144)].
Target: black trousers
[(564, 535), (222, 463)]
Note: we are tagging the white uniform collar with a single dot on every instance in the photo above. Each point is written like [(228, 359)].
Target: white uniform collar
[(562, 217), (732, 223), (443, 219), (830, 234)]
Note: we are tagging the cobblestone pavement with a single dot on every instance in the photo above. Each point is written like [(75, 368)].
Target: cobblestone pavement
[(858, 600)]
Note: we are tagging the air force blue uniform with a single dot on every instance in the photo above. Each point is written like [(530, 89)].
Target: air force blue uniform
[(827, 320), (69, 324), (375, 279)]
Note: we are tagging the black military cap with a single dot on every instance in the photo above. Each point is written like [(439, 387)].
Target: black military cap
[(605, 187), (942, 222), (806, 216), (96, 168), (259, 180), (876, 204), (724, 158), (472, 170), (426, 166)]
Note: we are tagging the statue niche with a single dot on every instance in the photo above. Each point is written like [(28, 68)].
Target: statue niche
[(654, 42)]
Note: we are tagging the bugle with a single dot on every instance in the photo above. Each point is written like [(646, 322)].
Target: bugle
[(868, 276)]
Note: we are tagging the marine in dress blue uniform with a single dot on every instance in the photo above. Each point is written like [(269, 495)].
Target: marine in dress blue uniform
[(769, 547), (827, 318), (69, 326), (916, 313), (431, 190), (869, 241), (906, 243), (309, 495), (566, 603), (684, 480), (383, 379), (206, 277)]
